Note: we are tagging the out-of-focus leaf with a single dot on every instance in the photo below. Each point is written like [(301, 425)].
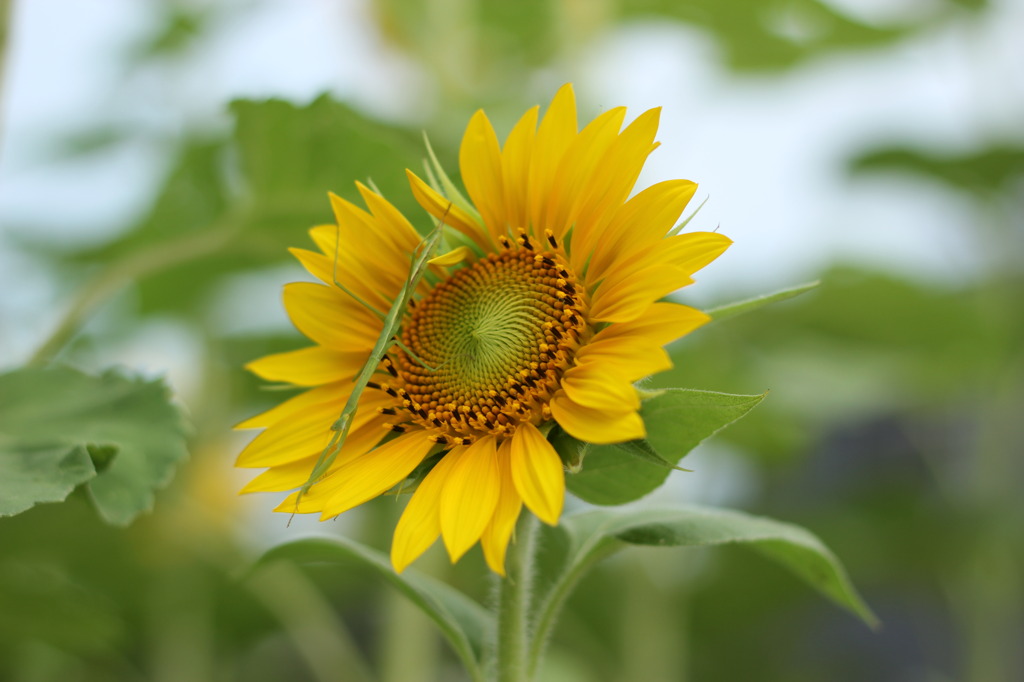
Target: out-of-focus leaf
[(776, 34), (740, 307), (981, 172), (180, 28), (594, 535), (676, 420), (46, 411), (465, 624), (192, 201), (265, 188), (292, 156), (29, 476), (39, 601)]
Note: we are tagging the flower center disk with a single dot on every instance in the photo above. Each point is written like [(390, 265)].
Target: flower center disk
[(488, 346)]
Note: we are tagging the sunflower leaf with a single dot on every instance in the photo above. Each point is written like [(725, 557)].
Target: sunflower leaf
[(593, 535), (59, 428), (464, 623), (677, 420), (740, 307), (30, 475)]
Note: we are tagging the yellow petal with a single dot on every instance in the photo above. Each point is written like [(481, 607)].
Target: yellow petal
[(291, 475), (396, 229), (594, 386), (370, 475), (629, 299), (284, 477), (453, 257), (442, 209), (556, 132), (420, 524), (595, 426), (640, 222), (308, 432), (494, 540), (612, 178), (345, 269), (470, 495), (620, 355), (337, 273), (330, 317), (480, 166), (308, 366), (365, 258), (691, 251), (292, 439), (515, 168), (537, 472), (336, 394), (317, 264), (581, 162), (363, 232), (660, 324)]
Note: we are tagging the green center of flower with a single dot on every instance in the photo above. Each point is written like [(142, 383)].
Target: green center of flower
[(488, 345)]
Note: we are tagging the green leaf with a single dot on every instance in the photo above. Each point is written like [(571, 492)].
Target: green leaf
[(794, 547), (677, 420), (594, 535), (59, 427), (466, 625), (738, 308), (29, 476)]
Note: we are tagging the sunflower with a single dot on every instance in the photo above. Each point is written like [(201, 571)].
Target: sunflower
[(543, 316)]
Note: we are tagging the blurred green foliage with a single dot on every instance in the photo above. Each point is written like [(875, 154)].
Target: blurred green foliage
[(237, 204)]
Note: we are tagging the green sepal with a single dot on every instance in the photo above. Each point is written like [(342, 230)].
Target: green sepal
[(740, 307), (444, 186)]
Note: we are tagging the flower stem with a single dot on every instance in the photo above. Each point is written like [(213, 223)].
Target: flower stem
[(514, 602)]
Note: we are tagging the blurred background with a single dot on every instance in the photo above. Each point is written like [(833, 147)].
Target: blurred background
[(876, 145)]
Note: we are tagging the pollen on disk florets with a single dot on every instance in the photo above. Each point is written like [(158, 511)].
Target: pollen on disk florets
[(485, 349)]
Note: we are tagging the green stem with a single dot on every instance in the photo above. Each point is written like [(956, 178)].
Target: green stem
[(134, 266), (514, 601)]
